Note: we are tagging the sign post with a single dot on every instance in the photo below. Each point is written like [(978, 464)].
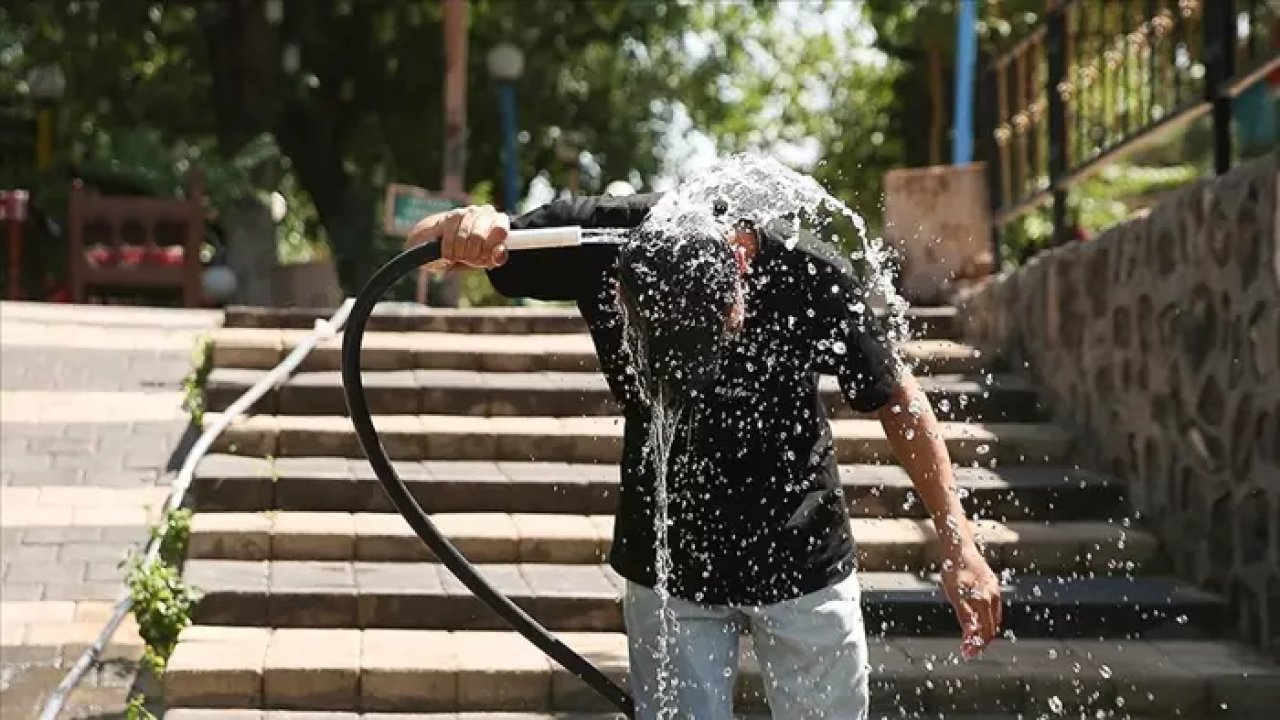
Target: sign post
[(405, 206)]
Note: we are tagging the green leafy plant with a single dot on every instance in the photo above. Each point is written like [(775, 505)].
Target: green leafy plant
[(193, 383), (137, 709), (162, 601)]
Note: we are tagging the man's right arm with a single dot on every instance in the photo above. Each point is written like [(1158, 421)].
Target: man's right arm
[(476, 237), (568, 273)]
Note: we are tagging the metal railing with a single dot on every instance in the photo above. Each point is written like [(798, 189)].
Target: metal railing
[(1098, 79)]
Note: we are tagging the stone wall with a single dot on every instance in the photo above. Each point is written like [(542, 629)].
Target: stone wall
[(1159, 344)]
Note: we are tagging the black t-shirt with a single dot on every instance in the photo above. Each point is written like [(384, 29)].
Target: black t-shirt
[(756, 508)]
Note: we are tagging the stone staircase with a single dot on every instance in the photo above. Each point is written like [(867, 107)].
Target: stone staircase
[(317, 597)]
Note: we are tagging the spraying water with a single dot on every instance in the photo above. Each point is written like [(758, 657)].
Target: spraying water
[(761, 189), (740, 187)]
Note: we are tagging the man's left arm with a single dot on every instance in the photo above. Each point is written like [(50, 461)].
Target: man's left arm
[(971, 586), (856, 348)]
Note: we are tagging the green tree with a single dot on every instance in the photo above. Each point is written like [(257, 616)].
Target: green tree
[(920, 36), (352, 91)]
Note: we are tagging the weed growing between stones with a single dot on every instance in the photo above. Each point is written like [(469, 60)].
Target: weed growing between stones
[(193, 383), (137, 709), (162, 601)]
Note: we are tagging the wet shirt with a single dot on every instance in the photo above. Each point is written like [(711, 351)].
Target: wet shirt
[(756, 510)]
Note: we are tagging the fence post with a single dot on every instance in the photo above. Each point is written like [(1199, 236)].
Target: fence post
[(1055, 47), (1220, 59), (988, 119)]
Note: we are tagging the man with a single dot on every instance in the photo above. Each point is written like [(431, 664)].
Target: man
[(739, 324)]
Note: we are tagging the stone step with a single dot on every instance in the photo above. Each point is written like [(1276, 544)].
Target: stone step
[(283, 593), (884, 544), (235, 483), (263, 349), (592, 439), (436, 671), (230, 714), (557, 394), (925, 322)]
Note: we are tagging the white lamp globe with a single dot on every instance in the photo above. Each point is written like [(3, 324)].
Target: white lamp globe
[(219, 283), (506, 62), (619, 188)]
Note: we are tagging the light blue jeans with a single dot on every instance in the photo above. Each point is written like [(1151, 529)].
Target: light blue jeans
[(812, 652)]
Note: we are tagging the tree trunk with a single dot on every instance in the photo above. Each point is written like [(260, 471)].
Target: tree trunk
[(251, 250), (350, 225), (937, 109)]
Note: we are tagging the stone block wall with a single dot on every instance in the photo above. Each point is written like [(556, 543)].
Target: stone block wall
[(1158, 343)]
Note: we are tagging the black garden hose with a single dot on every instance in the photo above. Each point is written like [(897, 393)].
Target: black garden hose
[(358, 407)]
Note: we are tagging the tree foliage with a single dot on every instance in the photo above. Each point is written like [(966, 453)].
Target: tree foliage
[(352, 90)]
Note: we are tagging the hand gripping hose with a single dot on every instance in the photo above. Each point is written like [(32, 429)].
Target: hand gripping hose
[(358, 407)]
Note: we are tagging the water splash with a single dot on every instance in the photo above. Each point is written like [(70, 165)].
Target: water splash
[(762, 190), (662, 427)]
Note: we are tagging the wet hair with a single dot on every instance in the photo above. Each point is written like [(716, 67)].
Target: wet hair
[(679, 283)]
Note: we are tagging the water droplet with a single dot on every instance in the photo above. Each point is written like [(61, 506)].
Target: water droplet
[(983, 449), (1055, 704), (1104, 670), (839, 348)]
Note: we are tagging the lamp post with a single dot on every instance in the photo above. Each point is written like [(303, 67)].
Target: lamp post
[(506, 64), (46, 83)]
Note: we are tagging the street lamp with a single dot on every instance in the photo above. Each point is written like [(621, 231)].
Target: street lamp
[(506, 64), (46, 83), (619, 188)]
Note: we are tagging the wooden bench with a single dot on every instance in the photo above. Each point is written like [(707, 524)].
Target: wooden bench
[(122, 244)]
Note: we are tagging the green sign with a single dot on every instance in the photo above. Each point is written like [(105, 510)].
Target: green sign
[(406, 206)]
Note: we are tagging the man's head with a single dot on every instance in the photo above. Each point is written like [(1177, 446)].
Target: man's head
[(680, 286)]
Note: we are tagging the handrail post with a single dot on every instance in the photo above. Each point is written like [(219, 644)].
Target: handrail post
[(988, 120), (1055, 48), (1220, 59)]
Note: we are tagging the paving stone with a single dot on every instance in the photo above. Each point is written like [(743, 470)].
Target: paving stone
[(312, 594), (256, 435), (558, 539), (241, 590), (313, 536), (208, 714), (32, 554), (232, 536), (216, 667), (403, 670), (1142, 679), (501, 671), (548, 488), (602, 650), (386, 536), (246, 348), (85, 590), (330, 489), (58, 573), (1239, 679), (572, 597), (391, 594), (22, 591), (891, 544), (482, 537), (309, 669)]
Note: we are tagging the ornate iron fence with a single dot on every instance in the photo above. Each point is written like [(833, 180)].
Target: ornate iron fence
[(1100, 78)]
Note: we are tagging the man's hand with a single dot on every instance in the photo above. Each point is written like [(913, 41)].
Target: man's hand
[(974, 593), (475, 236), (970, 585)]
